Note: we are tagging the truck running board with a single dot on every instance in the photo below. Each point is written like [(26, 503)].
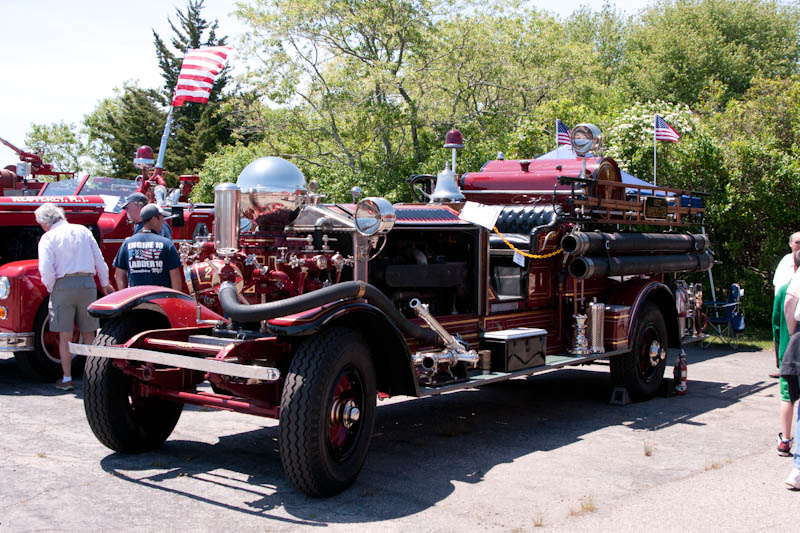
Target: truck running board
[(181, 361), (552, 362)]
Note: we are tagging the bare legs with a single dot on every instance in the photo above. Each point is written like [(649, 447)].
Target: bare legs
[(787, 410), (87, 337)]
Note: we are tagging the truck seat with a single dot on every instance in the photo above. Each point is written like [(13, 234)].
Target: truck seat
[(516, 222)]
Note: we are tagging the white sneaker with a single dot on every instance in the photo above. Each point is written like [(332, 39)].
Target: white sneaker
[(794, 479)]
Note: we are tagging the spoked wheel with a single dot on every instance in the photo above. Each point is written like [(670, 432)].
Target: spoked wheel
[(327, 412), (44, 362), (119, 415), (345, 405), (642, 370)]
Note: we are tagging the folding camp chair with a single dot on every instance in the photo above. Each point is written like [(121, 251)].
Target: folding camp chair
[(725, 319)]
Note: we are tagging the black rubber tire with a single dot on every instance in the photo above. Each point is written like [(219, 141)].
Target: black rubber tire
[(635, 370), (42, 363), (119, 419), (312, 390)]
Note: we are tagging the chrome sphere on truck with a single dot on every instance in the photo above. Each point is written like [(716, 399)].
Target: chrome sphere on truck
[(273, 190)]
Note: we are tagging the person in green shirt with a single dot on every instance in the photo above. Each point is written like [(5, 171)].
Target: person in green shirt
[(781, 335)]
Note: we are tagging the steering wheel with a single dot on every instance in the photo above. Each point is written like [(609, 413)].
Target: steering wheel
[(422, 186)]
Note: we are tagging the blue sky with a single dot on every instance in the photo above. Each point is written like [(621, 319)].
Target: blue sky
[(60, 58)]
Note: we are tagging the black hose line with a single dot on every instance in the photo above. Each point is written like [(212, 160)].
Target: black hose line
[(626, 265), (597, 243), (340, 291)]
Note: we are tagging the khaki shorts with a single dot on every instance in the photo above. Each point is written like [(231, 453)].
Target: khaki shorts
[(68, 304)]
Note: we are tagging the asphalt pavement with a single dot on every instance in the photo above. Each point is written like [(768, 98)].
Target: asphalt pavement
[(547, 453)]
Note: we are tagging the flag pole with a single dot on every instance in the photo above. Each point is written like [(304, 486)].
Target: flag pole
[(556, 136), (654, 150), (164, 138)]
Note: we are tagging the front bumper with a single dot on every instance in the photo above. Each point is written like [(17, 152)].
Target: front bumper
[(214, 366), (16, 342)]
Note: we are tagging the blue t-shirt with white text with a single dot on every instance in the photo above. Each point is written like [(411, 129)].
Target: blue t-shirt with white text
[(148, 258)]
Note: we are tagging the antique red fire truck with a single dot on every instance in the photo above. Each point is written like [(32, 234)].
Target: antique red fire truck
[(307, 312)]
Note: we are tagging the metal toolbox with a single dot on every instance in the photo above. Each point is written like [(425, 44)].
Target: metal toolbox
[(515, 349)]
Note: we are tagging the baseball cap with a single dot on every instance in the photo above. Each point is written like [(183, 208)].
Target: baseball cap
[(151, 210), (137, 197)]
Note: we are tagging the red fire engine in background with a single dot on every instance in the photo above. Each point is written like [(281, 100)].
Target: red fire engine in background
[(96, 202)]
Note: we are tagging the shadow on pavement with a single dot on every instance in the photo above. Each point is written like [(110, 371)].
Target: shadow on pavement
[(421, 448)]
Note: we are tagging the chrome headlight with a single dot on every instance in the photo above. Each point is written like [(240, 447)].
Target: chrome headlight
[(5, 287), (585, 138), (374, 215)]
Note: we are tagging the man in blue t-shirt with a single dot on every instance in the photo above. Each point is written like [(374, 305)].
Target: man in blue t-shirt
[(147, 258), (133, 207)]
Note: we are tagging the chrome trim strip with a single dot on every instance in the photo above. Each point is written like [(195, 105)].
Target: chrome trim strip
[(181, 361), (16, 342)]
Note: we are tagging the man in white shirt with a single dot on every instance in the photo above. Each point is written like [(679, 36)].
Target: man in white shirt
[(69, 258)]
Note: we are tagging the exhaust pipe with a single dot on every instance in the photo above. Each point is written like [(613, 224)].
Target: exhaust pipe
[(627, 265), (594, 243)]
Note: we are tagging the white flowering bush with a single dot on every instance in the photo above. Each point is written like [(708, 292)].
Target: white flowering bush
[(629, 137)]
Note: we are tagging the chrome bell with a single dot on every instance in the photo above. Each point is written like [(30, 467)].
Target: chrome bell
[(446, 189)]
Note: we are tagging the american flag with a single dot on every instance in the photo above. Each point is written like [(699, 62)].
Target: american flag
[(562, 134), (665, 132), (201, 68), (146, 254)]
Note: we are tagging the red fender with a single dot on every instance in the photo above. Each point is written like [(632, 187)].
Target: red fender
[(179, 308), (26, 295)]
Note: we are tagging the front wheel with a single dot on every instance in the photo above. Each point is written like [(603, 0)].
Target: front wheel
[(327, 412), (120, 417), (642, 370)]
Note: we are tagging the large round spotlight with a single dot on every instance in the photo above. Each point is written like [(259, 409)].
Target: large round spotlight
[(585, 138), (374, 216)]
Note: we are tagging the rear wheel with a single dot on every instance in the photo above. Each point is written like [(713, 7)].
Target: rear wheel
[(44, 362), (642, 370), (120, 417), (327, 412)]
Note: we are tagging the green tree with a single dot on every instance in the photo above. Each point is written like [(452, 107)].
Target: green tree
[(119, 125), (760, 209), (602, 34), (678, 48), (369, 89), (344, 68), (59, 144)]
